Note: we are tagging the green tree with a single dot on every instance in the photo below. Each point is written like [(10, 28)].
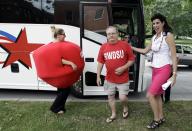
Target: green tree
[(148, 5), (178, 13)]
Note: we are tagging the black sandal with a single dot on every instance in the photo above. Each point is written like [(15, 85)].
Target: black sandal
[(125, 114), (161, 121), (154, 124), (110, 119)]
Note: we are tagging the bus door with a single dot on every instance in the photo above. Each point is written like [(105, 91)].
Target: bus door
[(125, 18), (94, 19), (128, 18)]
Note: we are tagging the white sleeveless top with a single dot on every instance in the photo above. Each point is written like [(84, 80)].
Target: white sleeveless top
[(161, 51)]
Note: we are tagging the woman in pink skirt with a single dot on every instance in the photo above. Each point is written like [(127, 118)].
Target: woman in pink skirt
[(164, 62)]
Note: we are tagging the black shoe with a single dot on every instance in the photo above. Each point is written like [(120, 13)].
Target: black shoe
[(60, 112), (57, 112), (154, 124)]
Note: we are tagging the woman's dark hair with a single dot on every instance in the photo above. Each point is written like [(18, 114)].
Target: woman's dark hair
[(166, 27), (58, 32)]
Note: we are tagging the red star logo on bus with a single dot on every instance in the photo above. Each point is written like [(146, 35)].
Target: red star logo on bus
[(19, 50)]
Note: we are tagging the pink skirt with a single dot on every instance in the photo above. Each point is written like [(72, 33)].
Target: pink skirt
[(159, 77)]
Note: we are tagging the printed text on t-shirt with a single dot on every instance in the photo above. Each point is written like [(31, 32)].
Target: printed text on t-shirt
[(114, 55)]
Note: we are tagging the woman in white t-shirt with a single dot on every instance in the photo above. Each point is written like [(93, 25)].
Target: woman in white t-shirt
[(164, 62)]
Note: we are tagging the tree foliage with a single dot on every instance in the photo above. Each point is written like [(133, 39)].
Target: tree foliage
[(178, 13)]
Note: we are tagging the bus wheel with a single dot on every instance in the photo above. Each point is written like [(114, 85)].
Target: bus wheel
[(76, 89)]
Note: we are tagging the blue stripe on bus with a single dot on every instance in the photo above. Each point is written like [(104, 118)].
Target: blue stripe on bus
[(9, 36)]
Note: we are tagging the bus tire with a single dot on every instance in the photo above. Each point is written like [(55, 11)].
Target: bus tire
[(76, 89)]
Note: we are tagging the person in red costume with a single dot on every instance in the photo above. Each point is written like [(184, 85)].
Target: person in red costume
[(61, 69), (117, 56), (58, 105)]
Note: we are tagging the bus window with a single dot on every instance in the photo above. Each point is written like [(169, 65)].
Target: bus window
[(95, 20), (66, 12), (125, 19)]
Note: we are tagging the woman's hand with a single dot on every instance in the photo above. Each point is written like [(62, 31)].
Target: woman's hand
[(74, 66), (66, 62), (141, 50), (173, 79)]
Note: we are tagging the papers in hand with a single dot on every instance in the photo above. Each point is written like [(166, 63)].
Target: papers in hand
[(167, 84)]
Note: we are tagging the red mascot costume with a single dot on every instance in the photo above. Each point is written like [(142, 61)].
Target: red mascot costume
[(49, 65)]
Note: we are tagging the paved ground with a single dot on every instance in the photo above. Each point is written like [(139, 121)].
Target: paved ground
[(183, 88), (24, 95)]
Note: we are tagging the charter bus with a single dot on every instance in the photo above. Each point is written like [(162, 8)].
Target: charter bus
[(27, 22)]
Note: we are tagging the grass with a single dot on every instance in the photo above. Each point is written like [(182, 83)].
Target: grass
[(90, 116)]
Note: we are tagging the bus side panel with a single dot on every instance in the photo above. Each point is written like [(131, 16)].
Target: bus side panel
[(22, 77), (90, 50), (16, 76)]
